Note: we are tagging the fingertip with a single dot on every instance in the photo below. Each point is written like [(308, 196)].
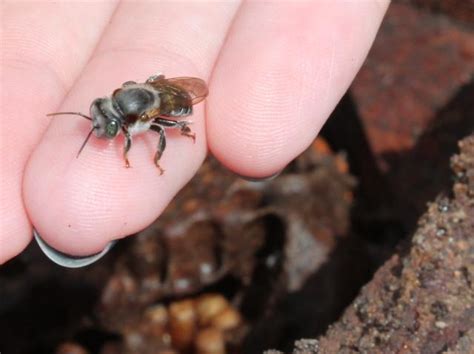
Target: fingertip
[(13, 240), (259, 121), (79, 205), (15, 229)]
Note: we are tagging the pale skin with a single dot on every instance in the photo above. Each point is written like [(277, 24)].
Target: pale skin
[(275, 72)]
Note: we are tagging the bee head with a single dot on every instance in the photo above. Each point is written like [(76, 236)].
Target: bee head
[(106, 120)]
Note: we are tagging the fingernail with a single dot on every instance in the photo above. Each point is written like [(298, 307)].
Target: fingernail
[(66, 260), (260, 179)]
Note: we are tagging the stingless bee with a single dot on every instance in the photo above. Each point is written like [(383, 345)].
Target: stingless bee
[(156, 104)]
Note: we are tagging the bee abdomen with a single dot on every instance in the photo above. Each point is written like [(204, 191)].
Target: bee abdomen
[(181, 112)]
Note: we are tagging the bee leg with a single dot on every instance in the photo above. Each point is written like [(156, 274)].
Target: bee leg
[(186, 131), (126, 147), (161, 145), (182, 125)]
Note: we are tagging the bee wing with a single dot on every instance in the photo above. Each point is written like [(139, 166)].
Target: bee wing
[(192, 86)]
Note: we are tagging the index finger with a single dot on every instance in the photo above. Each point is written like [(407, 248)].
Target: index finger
[(78, 205)]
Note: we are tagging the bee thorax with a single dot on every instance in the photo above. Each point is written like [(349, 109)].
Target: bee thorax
[(135, 99)]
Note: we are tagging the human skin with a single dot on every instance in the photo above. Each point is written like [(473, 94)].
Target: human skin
[(275, 71)]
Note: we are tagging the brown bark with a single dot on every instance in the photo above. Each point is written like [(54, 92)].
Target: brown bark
[(422, 299)]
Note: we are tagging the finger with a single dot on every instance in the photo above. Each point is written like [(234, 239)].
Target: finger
[(94, 199), (44, 47), (278, 79)]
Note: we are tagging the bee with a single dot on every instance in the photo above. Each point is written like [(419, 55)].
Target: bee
[(135, 108)]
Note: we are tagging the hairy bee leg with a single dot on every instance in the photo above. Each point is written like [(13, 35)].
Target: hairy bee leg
[(182, 125), (126, 147), (161, 145)]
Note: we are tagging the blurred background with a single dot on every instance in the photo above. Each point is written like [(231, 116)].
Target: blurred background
[(239, 267)]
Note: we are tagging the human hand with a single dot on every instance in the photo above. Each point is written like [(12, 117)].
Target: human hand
[(275, 72)]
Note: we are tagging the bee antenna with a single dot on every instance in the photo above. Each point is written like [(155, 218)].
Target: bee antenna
[(72, 113), (85, 141)]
